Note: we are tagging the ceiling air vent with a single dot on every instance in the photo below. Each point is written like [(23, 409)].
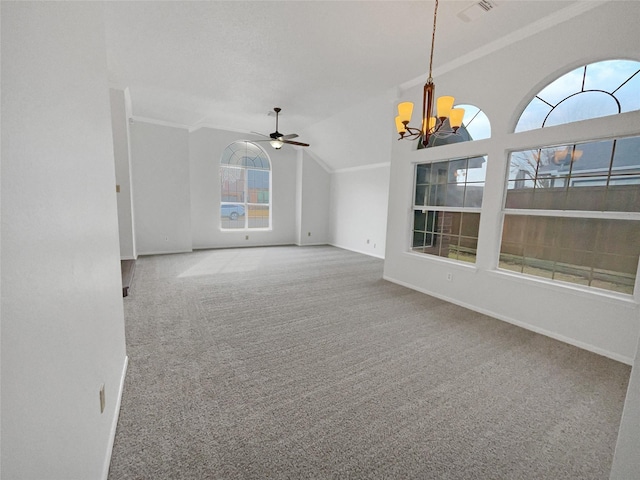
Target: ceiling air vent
[(476, 10)]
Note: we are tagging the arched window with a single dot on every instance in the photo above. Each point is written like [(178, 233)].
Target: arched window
[(245, 187), (448, 194), (476, 122), (594, 90), (475, 126), (572, 209)]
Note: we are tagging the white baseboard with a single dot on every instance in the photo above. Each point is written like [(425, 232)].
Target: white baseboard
[(163, 252), (244, 245), (526, 326), (381, 256), (114, 423)]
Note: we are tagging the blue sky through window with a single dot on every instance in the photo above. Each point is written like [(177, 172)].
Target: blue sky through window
[(586, 92)]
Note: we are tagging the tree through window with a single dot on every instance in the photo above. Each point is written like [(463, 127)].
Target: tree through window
[(245, 187)]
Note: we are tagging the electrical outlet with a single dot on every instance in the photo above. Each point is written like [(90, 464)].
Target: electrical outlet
[(449, 277), (102, 399), (367, 241), (246, 237), (308, 234)]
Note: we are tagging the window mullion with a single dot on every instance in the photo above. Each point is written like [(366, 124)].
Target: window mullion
[(246, 198), (573, 213)]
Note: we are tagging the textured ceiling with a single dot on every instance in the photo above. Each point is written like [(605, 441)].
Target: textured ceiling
[(226, 64)]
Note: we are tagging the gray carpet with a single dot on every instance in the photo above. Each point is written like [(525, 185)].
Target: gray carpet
[(302, 363)]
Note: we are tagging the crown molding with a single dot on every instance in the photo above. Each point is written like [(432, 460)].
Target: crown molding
[(359, 168), (557, 18), (199, 125), (153, 121)]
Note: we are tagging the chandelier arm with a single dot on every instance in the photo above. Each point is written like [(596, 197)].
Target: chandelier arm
[(437, 127), (410, 133)]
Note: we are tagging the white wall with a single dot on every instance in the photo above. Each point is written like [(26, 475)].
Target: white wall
[(501, 84), (361, 146), (359, 136), (62, 315), (205, 148), (176, 192), (160, 180), (626, 461), (299, 160), (358, 218), (314, 186), (120, 115)]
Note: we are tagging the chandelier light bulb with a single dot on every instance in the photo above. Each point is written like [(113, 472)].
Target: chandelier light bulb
[(444, 106), (455, 118), (405, 110)]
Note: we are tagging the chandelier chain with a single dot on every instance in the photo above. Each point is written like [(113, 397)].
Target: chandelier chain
[(433, 40), (448, 119)]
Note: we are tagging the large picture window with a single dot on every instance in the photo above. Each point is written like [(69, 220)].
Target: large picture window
[(572, 213), (446, 209), (245, 187)]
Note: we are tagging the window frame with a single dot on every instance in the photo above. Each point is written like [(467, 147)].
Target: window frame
[(584, 130), (558, 213), (435, 209), (245, 203)]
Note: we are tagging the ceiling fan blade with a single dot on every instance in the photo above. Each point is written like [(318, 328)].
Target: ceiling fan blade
[(278, 137), (300, 144)]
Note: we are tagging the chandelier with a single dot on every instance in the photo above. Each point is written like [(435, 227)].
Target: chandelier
[(447, 119)]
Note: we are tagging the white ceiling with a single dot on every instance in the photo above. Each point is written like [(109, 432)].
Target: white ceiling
[(226, 64)]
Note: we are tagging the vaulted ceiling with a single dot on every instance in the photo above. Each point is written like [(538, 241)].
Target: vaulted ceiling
[(227, 64)]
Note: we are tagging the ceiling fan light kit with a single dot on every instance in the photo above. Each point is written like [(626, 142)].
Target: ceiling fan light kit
[(447, 119), (277, 139)]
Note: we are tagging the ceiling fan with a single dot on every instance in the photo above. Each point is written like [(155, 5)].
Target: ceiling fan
[(277, 139)]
